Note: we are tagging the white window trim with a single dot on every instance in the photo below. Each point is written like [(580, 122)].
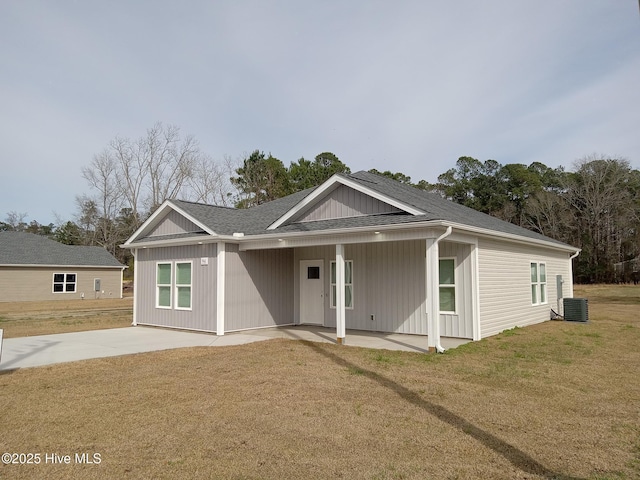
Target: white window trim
[(540, 286), (164, 307), (64, 282), (332, 300), (176, 285), (454, 286)]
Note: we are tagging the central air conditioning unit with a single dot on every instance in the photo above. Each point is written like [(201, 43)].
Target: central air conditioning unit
[(576, 309)]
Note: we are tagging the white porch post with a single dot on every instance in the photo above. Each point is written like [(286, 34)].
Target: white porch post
[(432, 275), (135, 287), (220, 281), (340, 300), (475, 289)]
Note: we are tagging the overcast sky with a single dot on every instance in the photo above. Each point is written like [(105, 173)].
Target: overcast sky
[(398, 85)]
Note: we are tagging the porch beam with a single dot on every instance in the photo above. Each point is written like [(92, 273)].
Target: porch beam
[(340, 300), (220, 281)]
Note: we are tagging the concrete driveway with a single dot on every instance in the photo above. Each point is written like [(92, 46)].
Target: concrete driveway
[(40, 350)]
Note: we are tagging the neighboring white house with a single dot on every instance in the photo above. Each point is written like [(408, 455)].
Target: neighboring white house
[(360, 251), (32, 267)]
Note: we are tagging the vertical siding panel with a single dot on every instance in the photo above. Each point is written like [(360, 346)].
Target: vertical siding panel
[(346, 202), (388, 283), (202, 314), (259, 289), (174, 223)]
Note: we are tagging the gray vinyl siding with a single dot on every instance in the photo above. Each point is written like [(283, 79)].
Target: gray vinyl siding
[(21, 284), (346, 202), (259, 288), (202, 315), (173, 223), (505, 284), (388, 283), (459, 325)]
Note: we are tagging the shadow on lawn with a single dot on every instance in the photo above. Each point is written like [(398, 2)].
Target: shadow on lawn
[(518, 458)]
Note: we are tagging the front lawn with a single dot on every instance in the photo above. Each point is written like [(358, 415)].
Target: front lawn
[(556, 400)]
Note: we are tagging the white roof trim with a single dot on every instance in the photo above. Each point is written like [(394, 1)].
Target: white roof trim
[(319, 192), (266, 240), (37, 265), (158, 215)]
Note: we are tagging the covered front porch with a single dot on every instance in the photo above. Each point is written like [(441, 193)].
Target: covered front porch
[(387, 282)]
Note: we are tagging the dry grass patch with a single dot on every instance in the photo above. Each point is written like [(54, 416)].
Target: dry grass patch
[(22, 319), (558, 400)]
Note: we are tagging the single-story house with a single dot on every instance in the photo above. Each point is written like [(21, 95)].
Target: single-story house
[(33, 267), (360, 251)]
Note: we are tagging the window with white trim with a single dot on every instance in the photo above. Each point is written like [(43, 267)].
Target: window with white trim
[(64, 282), (447, 284), (163, 285), (538, 283), (348, 284), (183, 285)]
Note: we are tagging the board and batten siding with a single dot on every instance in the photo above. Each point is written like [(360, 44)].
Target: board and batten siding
[(22, 284), (173, 223), (346, 202), (388, 283), (202, 315), (459, 325), (259, 288), (505, 284)]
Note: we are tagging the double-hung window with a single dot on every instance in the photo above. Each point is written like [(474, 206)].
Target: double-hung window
[(64, 282), (183, 285), (348, 284), (163, 285), (538, 283), (447, 283), (173, 285)]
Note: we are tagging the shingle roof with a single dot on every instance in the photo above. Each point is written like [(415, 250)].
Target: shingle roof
[(18, 248), (438, 208), (250, 221), (255, 220)]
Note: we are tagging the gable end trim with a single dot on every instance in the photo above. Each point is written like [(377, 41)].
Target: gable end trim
[(158, 215)]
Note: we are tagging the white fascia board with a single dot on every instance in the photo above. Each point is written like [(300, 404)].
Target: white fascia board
[(36, 265), (402, 231), (387, 233), (330, 184), (399, 231), (174, 242), (147, 223), (157, 216), (485, 232)]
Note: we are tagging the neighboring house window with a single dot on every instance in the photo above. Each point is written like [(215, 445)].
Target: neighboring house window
[(64, 282), (538, 283), (348, 284), (183, 285), (163, 285), (447, 276)]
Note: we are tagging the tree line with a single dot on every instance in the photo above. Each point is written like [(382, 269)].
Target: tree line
[(595, 207)]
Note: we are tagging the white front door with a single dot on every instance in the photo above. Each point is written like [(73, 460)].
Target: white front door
[(311, 292)]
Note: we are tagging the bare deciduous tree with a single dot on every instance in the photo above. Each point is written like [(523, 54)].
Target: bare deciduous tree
[(131, 178), (15, 221)]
